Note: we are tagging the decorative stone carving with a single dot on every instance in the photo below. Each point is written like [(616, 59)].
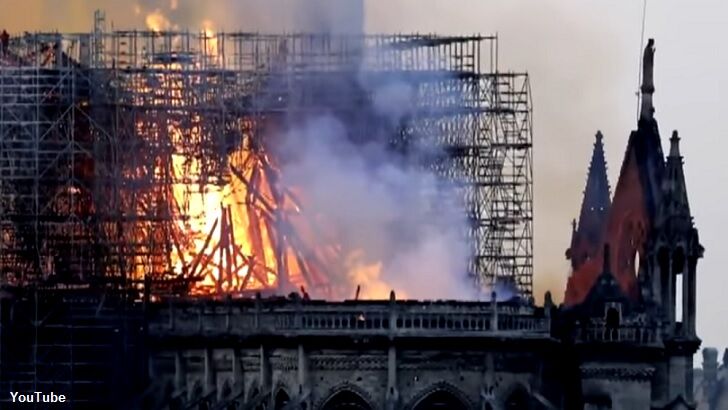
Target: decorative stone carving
[(617, 373), (284, 363), (348, 363)]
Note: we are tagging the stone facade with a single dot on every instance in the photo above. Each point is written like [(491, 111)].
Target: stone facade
[(289, 353), (396, 354)]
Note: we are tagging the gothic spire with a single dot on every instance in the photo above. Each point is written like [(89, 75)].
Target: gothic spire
[(588, 233), (597, 193), (674, 192)]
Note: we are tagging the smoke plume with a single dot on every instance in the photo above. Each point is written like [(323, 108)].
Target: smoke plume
[(384, 212), (386, 209), (397, 223), (265, 16)]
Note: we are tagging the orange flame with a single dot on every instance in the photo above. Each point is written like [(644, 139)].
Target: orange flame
[(156, 21), (210, 42), (244, 236), (238, 230)]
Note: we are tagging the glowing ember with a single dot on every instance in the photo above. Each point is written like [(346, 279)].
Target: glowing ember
[(156, 21), (245, 236), (210, 42)]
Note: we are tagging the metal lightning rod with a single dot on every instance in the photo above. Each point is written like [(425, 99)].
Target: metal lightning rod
[(639, 62)]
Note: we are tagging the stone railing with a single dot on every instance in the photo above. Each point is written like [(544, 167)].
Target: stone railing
[(622, 334), (244, 318)]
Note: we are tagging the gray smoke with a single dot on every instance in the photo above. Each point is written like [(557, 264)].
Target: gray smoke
[(382, 208), (387, 209)]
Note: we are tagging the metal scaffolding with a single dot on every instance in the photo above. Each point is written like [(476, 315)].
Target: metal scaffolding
[(103, 135)]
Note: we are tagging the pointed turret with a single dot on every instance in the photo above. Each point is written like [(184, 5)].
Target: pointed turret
[(675, 240), (597, 193), (674, 205), (588, 234)]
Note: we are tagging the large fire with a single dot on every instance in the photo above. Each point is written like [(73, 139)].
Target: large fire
[(243, 231)]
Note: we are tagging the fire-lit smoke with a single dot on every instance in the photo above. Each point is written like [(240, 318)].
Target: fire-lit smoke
[(388, 212), (385, 214), (156, 21), (318, 198), (266, 16), (326, 206)]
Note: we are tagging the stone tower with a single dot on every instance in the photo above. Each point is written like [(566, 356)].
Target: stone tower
[(627, 293)]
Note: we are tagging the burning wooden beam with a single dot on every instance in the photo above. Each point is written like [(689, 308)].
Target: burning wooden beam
[(222, 245), (230, 245), (196, 261)]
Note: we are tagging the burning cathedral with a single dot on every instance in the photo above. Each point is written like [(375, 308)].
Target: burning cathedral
[(247, 221)]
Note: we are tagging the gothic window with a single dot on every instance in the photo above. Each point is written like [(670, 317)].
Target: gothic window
[(678, 261), (281, 399), (346, 400), (631, 241), (663, 261), (612, 323), (678, 266), (518, 400), (441, 400), (612, 318), (598, 403)]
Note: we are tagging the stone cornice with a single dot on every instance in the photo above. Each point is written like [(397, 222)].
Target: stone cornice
[(640, 373)]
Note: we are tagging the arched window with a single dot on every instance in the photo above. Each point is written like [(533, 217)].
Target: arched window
[(612, 318), (440, 400), (598, 403), (663, 261), (678, 261), (678, 268), (282, 398), (346, 400), (612, 322), (518, 400)]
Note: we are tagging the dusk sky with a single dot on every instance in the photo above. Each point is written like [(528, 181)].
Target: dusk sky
[(583, 59)]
